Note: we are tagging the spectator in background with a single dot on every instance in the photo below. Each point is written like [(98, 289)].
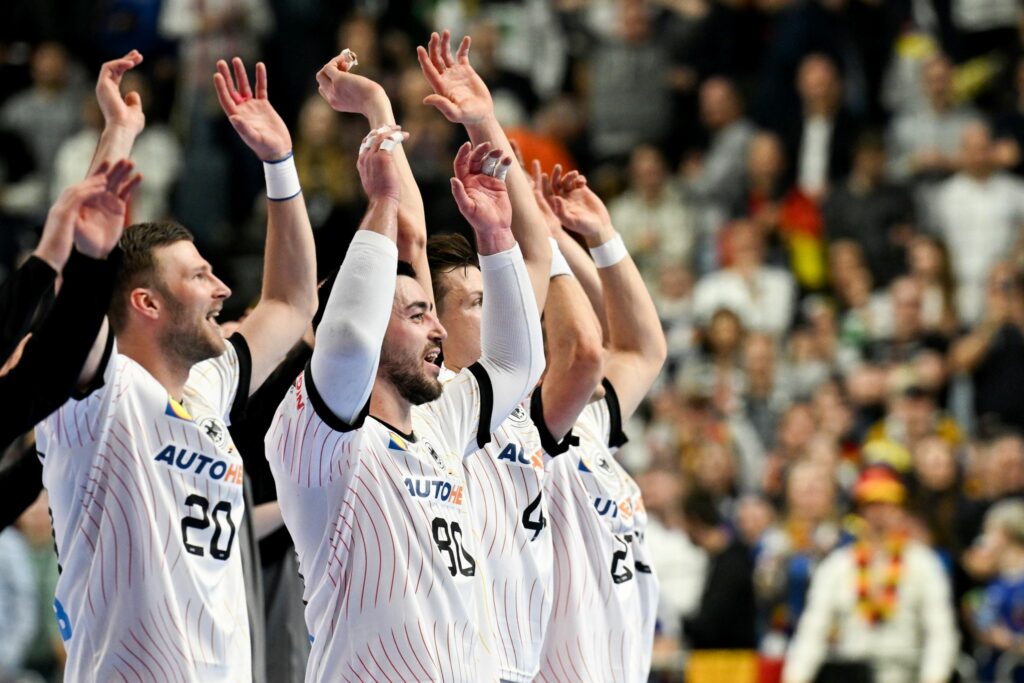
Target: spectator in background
[(992, 353), (554, 136), (18, 612), (999, 620), (715, 179), (762, 296), (513, 94), (820, 143), (979, 213), (673, 297), (654, 221), (935, 495), (44, 116), (47, 654), (725, 618), (1009, 128), (766, 394), (867, 209), (157, 155), (884, 601), (999, 475), (928, 263), (923, 143)]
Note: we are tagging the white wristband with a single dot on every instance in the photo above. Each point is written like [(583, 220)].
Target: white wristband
[(609, 253), (559, 266), (282, 179)]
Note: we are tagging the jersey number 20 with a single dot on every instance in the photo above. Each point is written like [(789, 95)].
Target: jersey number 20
[(199, 523)]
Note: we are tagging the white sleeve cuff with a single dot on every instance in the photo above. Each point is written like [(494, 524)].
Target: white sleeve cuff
[(502, 259), (374, 240)]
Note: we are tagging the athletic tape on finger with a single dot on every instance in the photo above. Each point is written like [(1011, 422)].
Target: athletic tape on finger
[(350, 57), (488, 166), (502, 170)]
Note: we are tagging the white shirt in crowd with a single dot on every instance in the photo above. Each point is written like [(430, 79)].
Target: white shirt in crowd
[(763, 303)]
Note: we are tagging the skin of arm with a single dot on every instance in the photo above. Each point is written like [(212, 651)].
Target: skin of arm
[(461, 96), (636, 343), (123, 119), (288, 298), (349, 92)]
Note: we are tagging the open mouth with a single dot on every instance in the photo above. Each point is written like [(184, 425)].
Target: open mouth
[(431, 357), (212, 316)]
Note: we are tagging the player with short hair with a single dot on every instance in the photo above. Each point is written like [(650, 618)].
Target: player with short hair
[(606, 594), (145, 484), (367, 450)]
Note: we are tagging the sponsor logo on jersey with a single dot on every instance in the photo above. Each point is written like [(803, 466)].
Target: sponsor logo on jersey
[(434, 489), (434, 455), (517, 456), (189, 461), (299, 403), (606, 507)]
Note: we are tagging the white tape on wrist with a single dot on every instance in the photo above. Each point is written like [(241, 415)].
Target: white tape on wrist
[(282, 179), (609, 253), (559, 266)]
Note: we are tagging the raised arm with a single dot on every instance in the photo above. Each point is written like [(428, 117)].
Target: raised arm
[(123, 119), (512, 346), (349, 92), (460, 94), (288, 297), (636, 343), (349, 338)]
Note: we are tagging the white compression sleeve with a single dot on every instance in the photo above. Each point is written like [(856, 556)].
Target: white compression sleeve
[(349, 338), (512, 345)]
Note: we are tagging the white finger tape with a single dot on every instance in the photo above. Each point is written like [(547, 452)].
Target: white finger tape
[(350, 57), (490, 163), (388, 145), (502, 170)]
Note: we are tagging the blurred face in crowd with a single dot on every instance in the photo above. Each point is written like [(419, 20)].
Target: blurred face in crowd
[(715, 469), (869, 162), (754, 515), (411, 345), (976, 150), (460, 314), (818, 84), (359, 35), (934, 464), (765, 161), (937, 78), (719, 103), (844, 258), (412, 88), (883, 518), (634, 21), (759, 359), (663, 492), (725, 333), (916, 410), (855, 290), (833, 415), (49, 66), (907, 302), (1004, 466), (674, 281), (318, 123), (809, 491), (647, 171), (926, 258), (796, 429), (746, 244)]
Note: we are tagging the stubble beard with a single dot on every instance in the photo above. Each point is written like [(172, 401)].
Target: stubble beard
[(406, 376)]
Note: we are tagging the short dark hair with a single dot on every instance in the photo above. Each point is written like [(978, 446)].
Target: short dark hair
[(136, 262), (405, 268), (700, 507), (445, 253)]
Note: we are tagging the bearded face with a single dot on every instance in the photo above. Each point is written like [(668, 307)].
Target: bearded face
[(412, 345)]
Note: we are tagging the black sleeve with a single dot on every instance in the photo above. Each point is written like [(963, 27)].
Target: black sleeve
[(49, 368), (324, 411), (20, 297), (20, 484), (616, 437), (244, 376), (548, 442), (483, 427)]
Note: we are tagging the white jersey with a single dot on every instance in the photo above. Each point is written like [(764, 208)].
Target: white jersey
[(506, 480), (384, 536), (606, 593), (146, 498)]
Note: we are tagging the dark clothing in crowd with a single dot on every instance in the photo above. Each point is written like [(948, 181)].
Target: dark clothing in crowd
[(726, 616)]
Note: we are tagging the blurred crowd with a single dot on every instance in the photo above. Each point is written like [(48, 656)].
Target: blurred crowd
[(825, 198)]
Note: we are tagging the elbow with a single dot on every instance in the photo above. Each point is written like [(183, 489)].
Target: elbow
[(657, 349), (586, 361)]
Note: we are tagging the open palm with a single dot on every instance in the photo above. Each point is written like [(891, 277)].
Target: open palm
[(102, 206), (482, 198), (252, 115), (459, 92), (577, 207)]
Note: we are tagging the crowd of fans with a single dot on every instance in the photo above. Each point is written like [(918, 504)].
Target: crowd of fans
[(825, 198)]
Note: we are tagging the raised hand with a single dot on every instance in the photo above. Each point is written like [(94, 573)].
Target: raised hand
[(479, 188), (576, 206), (252, 116), (101, 202), (346, 91), (120, 112), (459, 93), (536, 178), (377, 169)]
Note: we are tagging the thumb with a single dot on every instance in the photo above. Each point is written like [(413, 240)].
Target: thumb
[(443, 105), (133, 99), (462, 199)]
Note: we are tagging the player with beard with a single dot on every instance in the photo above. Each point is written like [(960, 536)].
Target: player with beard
[(145, 484), (605, 592), (367, 450)]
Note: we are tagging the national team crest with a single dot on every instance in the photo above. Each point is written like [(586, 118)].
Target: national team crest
[(519, 417), (216, 430)]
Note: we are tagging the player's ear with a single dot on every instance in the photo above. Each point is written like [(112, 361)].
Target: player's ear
[(144, 301)]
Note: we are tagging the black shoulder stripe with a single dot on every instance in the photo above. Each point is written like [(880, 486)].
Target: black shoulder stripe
[(98, 381), (483, 380), (616, 437), (548, 442), (244, 377), (324, 412)]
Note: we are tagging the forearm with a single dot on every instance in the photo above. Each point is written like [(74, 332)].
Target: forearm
[(574, 343), (289, 262), (967, 353), (512, 346), (528, 225), (350, 335), (586, 273), (20, 296), (266, 519), (115, 143)]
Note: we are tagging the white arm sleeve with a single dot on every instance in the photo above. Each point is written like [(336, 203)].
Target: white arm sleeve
[(349, 338), (512, 346)]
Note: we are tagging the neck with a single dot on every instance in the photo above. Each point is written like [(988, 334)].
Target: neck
[(1012, 560), (387, 405), (169, 369)]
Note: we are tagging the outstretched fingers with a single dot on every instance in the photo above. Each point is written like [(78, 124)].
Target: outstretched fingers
[(463, 53), (435, 53), (222, 86), (446, 49), (476, 159), (261, 81), (241, 79), (129, 186)]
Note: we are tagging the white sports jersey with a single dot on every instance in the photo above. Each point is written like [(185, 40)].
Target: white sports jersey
[(385, 541), (606, 594), (146, 498), (506, 480)]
